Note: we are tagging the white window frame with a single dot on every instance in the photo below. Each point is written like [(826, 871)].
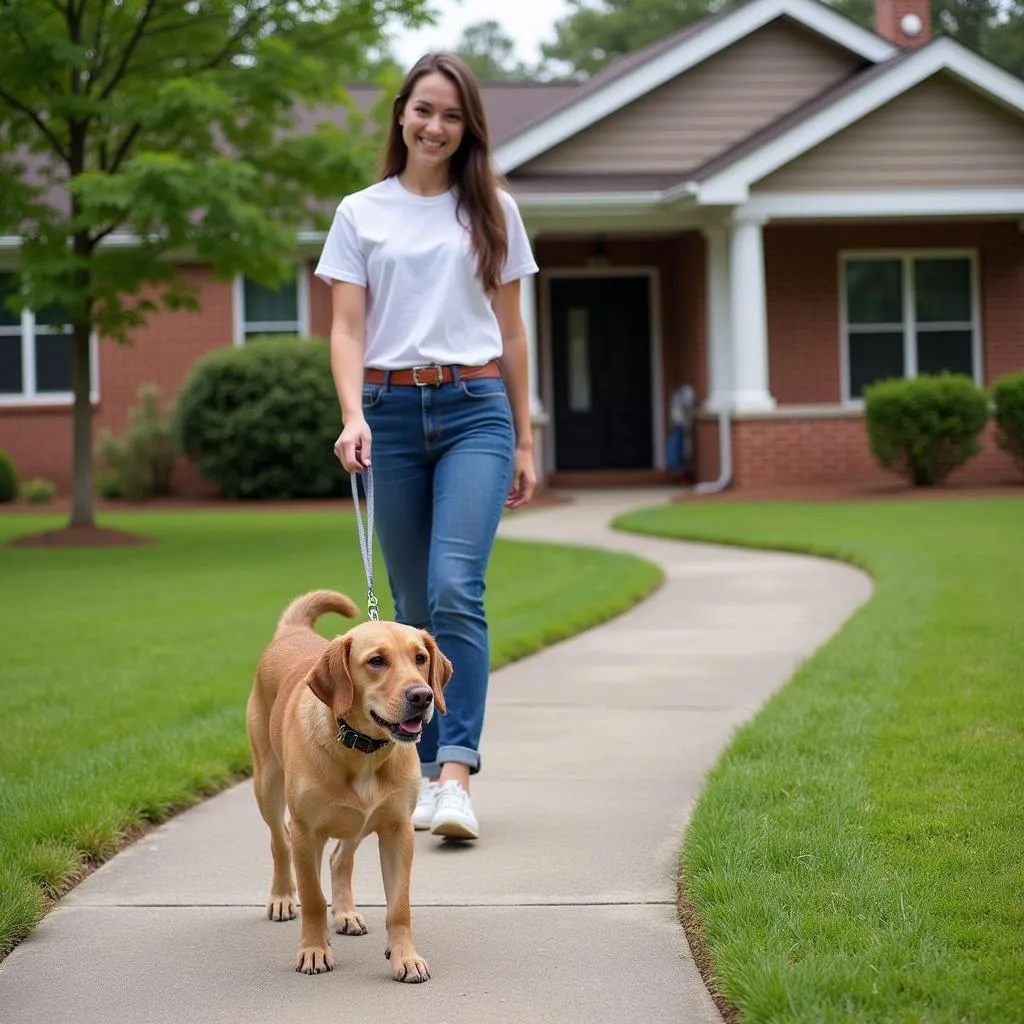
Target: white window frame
[(242, 327), (909, 325), (29, 395)]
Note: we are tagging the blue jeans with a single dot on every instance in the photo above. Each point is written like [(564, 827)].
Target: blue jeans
[(442, 468)]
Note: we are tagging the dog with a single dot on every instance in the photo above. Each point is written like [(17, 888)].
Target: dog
[(333, 727)]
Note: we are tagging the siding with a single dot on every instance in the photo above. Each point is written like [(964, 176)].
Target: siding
[(940, 134), (706, 109)]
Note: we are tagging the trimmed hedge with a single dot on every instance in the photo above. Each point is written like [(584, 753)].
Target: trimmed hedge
[(261, 421), (9, 483), (1008, 399), (926, 427)]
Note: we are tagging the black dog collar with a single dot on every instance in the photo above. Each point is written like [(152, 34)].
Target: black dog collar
[(356, 740)]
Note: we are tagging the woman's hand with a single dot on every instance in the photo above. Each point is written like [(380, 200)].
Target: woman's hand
[(524, 479), (353, 445)]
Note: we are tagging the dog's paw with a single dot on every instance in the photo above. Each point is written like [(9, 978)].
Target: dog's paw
[(314, 960), (351, 923), (410, 968), (282, 908)]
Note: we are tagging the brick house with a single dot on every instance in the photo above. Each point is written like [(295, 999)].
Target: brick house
[(773, 206)]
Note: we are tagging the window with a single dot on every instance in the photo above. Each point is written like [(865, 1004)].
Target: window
[(261, 310), (908, 314), (35, 352)]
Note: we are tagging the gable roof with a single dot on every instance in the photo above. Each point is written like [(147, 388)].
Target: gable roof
[(727, 178), (639, 73)]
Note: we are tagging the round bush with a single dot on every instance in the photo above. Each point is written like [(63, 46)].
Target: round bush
[(926, 427), (261, 421), (1008, 399), (8, 478), (39, 491)]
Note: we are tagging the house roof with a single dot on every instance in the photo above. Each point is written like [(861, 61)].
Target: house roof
[(639, 73), (725, 177), (728, 177)]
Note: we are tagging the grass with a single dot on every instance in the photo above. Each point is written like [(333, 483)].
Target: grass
[(124, 671), (856, 854)]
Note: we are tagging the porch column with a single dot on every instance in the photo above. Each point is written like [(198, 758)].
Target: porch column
[(719, 314), (528, 306), (749, 317), (538, 417)]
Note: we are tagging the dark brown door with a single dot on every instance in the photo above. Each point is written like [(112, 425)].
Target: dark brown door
[(601, 340)]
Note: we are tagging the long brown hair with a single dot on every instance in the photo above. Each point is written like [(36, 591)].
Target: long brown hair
[(475, 180)]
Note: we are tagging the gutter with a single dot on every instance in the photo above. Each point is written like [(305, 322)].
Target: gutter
[(724, 457)]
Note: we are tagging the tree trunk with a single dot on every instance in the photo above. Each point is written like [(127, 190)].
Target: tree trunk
[(81, 494)]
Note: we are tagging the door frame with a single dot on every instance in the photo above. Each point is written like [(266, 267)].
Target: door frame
[(653, 275)]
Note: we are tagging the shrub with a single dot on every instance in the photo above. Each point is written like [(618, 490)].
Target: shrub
[(926, 427), (38, 491), (8, 478), (261, 421), (140, 463), (1008, 399)]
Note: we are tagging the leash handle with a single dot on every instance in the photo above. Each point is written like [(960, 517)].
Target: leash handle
[(366, 535)]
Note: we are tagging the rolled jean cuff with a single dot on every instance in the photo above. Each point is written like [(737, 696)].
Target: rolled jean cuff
[(458, 755)]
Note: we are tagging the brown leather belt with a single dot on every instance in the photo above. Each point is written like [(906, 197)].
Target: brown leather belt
[(430, 376)]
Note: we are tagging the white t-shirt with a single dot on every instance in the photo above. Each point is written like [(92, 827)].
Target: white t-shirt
[(424, 301)]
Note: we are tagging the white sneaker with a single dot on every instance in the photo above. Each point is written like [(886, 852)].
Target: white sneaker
[(425, 807), (454, 817)]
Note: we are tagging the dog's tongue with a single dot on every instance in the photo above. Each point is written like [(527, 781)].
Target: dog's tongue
[(412, 727)]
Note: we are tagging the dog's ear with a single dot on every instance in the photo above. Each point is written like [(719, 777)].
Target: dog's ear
[(440, 671), (330, 678)]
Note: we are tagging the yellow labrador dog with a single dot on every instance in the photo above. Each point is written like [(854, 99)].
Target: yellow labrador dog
[(333, 726)]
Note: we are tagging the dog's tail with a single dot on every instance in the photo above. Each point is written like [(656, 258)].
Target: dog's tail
[(305, 610)]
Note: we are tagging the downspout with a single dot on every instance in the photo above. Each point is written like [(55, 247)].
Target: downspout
[(724, 456)]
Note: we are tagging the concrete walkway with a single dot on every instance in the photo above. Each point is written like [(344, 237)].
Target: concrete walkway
[(563, 913)]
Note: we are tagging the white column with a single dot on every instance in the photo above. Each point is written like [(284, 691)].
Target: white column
[(719, 314), (749, 317), (538, 418), (528, 307)]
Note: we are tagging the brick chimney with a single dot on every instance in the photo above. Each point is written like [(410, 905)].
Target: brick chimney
[(907, 23)]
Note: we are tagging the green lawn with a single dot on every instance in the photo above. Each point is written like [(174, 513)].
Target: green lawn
[(858, 852), (124, 671)]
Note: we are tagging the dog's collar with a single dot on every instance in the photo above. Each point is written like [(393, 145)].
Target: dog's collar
[(356, 740)]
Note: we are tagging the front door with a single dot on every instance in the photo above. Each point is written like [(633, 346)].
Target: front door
[(601, 361)]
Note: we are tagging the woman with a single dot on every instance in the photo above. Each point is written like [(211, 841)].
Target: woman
[(429, 357)]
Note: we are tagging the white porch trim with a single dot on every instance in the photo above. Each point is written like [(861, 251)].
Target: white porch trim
[(528, 309), (900, 203), (732, 184), (691, 50), (749, 317)]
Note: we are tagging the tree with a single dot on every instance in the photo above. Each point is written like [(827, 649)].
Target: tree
[(490, 52), (589, 37), (172, 123)]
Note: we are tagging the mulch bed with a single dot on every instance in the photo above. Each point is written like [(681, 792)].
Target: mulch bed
[(80, 537)]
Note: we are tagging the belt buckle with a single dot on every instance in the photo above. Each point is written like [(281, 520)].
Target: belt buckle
[(434, 368)]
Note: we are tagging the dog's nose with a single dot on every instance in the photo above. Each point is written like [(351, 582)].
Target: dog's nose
[(419, 697)]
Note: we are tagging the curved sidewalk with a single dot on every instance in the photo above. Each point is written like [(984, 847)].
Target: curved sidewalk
[(563, 913)]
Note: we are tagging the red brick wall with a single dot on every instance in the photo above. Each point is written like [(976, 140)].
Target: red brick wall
[(777, 452), (39, 438), (802, 280)]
